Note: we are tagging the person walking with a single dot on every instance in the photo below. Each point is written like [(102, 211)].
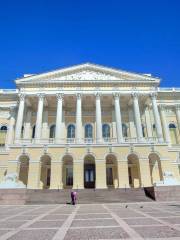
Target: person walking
[(73, 197)]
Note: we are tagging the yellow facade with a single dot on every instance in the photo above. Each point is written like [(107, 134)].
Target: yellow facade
[(77, 142)]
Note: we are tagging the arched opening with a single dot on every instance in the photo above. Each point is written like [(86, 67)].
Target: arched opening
[(33, 131), (134, 171), (23, 169), (156, 172), (45, 176), (67, 171), (89, 171), (111, 171), (88, 131), (71, 131), (106, 131), (3, 133), (173, 133), (52, 131), (124, 130)]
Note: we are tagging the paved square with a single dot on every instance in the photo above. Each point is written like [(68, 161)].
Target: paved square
[(148, 220)]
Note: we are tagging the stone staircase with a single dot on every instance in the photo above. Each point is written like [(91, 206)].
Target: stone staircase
[(30, 196), (87, 196)]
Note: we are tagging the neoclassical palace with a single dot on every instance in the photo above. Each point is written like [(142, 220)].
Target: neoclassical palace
[(89, 126)]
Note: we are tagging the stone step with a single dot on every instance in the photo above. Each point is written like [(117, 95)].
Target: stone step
[(30, 196), (87, 196)]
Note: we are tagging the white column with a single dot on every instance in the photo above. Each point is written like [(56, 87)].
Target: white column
[(78, 119), (118, 119), (45, 126), (164, 124), (157, 118), (39, 118), (137, 117), (27, 126), (178, 115), (148, 122), (98, 119), (19, 121), (59, 133), (10, 134)]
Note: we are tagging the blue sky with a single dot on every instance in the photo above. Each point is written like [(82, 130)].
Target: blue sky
[(140, 36)]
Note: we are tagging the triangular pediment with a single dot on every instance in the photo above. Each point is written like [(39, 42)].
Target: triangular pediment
[(84, 72)]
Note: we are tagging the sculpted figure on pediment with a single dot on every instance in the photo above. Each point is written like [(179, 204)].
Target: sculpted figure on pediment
[(88, 75)]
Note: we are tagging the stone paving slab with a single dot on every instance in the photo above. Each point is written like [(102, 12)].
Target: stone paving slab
[(47, 224), (91, 233), (92, 221), (141, 221), (157, 232), (45, 234), (55, 217)]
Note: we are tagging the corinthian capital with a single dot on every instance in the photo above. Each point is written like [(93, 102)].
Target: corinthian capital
[(78, 95), (59, 96), (22, 96), (41, 96), (153, 95), (135, 95), (98, 95), (116, 95)]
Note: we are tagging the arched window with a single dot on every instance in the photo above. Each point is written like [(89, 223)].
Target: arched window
[(143, 130), (33, 131), (154, 130), (52, 131), (22, 131), (71, 131), (124, 130), (173, 134), (106, 131), (88, 131), (3, 132)]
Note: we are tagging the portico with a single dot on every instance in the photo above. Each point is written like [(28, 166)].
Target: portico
[(78, 113)]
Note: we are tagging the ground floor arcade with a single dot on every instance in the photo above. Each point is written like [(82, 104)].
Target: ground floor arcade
[(68, 171)]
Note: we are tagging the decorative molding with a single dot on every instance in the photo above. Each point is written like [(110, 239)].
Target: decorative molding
[(131, 148), (45, 149), (152, 147)]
